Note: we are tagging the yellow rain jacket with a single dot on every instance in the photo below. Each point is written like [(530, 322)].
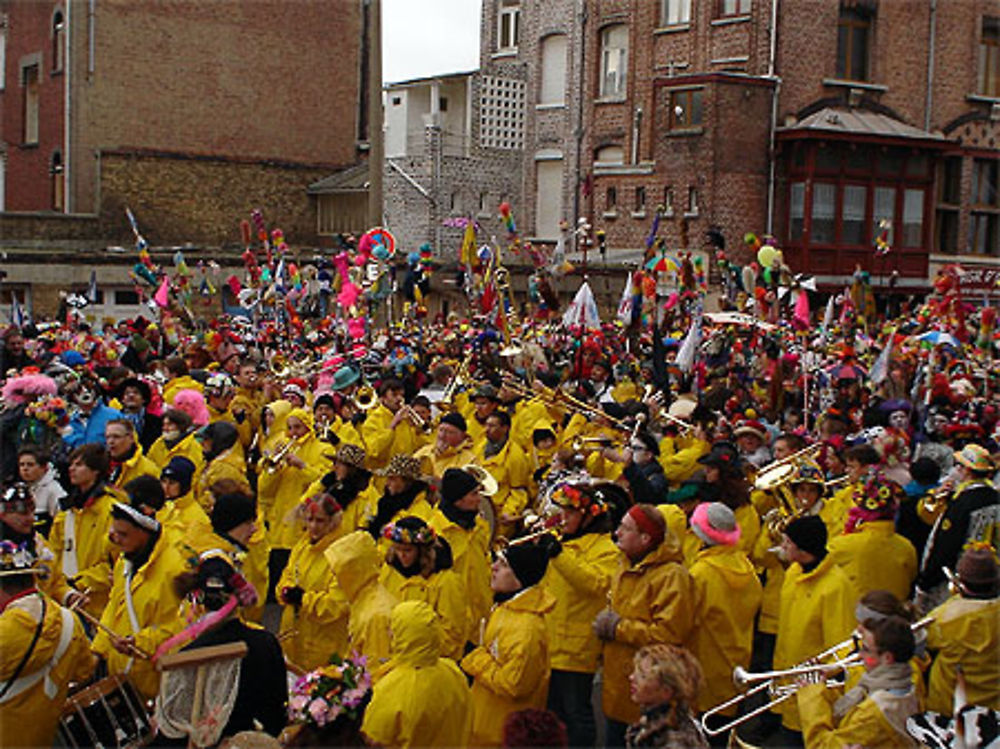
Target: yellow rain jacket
[(655, 599), (354, 559), (251, 403), (271, 439), (579, 578), (817, 611), (244, 430), (152, 617), (187, 447), (965, 632), (252, 562), (320, 623), (727, 595), (433, 463), (421, 699), (875, 557), (869, 724), (381, 442), (444, 592), (30, 710), (137, 465), (677, 525), (174, 386), (681, 462), (470, 551), (749, 522), (87, 557), (186, 525), (531, 416), (510, 667), (512, 471), (288, 484), (229, 464)]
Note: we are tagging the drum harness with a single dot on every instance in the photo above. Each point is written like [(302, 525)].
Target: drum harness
[(17, 683)]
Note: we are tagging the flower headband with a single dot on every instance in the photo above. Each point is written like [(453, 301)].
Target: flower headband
[(400, 535)]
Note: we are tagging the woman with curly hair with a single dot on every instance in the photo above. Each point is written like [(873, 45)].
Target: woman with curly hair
[(665, 682)]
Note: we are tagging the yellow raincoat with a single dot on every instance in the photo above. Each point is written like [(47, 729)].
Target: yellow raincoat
[(137, 465), (186, 525), (153, 616), (187, 447), (433, 463), (87, 558), (250, 402), (817, 611), (421, 699), (875, 557), (174, 386), (867, 724), (252, 562), (965, 632), (288, 484), (354, 559), (444, 592), (579, 578), (381, 442), (655, 599), (727, 595), (470, 551), (320, 623), (244, 429), (512, 471), (271, 439), (680, 459), (30, 710), (511, 667), (229, 464)]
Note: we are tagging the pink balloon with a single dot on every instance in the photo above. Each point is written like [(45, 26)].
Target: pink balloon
[(348, 295), (356, 328)]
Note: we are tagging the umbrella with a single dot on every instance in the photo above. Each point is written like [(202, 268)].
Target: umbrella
[(938, 338), (737, 318), (846, 372)]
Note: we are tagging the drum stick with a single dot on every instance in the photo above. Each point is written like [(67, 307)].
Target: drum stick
[(108, 631), (288, 633)]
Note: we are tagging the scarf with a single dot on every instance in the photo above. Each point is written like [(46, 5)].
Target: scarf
[(80, 499), (463, 518), (893, 677), (118, 464), (390, 504), (493, 448), (345, 491)]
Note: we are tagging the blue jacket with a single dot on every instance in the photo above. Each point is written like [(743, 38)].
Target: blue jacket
[(92, 430)]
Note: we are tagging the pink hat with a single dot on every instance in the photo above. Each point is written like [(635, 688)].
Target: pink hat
[(715, 524), (192, 403)]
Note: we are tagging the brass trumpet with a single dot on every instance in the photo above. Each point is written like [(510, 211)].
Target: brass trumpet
[(579, 444), (504, 543), (272, 462), (364, 398)]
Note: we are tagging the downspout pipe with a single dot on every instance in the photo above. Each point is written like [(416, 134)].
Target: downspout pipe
[(579, 131), (67, 164), (775, 92), (932, 36)]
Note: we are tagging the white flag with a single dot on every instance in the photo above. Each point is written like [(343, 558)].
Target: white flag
[(583, 309), (625, 303), (880, 370), (689, 347)]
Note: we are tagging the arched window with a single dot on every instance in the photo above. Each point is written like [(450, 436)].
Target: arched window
[(58, 40), (58, 182), (553, 88)]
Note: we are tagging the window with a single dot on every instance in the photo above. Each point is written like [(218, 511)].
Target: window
[(58, 182), (852, 227), (611, 198), (984, 220), (913, 218), (501, 113), (508, 29), (948, 205), (692, 201), (3, 51), (553, 85), (854, 31), (823, 212), (673, 12), (396, 101), (29, 84), (796, 211), (58, 41), (989, 58), (884, 209), (668, 201), (685, 109), (453, 201), (548, 198), (614, 61), (610, 155), (443, 104), (734, 7), (126, 296), (484, 202), (640, 200)]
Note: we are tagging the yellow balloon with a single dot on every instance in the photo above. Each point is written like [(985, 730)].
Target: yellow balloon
[(766, 255)]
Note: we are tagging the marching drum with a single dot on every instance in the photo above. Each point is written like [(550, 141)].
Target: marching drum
[(108, 713)]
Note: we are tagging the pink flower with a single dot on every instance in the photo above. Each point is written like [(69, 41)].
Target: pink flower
[(318, 711), (298, 702)]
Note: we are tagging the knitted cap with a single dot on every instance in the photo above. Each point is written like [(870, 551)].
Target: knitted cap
[(456, 420), (455, 484), (528, 562), (715, 524), (231, 510), (181, 470), (809, 534)]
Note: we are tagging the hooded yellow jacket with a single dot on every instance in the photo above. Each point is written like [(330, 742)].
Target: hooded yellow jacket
[(252, 562), (433, 463), (655, 600), (229, 464), (156, 610), (512, 471), (29, 712), (355, 562), (965, 632), (94, 554), (510, 668), (187, 447), (875, 557), (421, 699), (137, 465), (444, 592), (319, 624), (727, 595), (174, 386), (579, 579), (680, 458), (817, 611), (868, 724), (186, 524), (381, 442), (470, 551)]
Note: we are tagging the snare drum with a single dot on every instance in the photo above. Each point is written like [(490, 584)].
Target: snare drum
[(109, 713)]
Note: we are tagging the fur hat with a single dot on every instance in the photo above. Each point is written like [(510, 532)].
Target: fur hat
[(351, 455), (402, 465)]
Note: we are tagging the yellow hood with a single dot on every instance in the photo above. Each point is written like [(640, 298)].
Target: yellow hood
[(416, 637), (354, 560)]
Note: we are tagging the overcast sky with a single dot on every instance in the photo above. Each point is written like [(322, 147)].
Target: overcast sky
[(428, 37)]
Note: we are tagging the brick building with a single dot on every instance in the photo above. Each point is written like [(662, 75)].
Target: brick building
[(192, 113), (813, 121)]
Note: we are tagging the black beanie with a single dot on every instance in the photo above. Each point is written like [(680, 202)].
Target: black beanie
[(181, 470), (528, 562), (231, 510), (456, 420), (455, 484), (809, 534)]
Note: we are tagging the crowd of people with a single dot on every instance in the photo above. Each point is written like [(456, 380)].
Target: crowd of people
[(445, 534)]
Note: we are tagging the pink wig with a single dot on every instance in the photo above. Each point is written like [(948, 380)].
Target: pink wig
[(27, 388), (714, 524), (192, 403)]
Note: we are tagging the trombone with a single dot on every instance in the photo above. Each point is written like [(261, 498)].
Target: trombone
[(750, 683)]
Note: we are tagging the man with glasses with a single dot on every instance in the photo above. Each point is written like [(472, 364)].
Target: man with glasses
[(127, 460)]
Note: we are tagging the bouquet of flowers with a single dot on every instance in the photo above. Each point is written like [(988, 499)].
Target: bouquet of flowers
[(50, 410), (339, 689)]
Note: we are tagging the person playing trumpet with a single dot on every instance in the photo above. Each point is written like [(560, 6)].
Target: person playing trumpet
[(388, 429), (509, 466)]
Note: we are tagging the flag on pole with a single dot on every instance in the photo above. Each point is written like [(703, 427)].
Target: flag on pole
[(161, 296), (468, 252), (625, 303), (880, 370), (583, 309), (828, 315), (17, 317), (92, 288), (689, 347)]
